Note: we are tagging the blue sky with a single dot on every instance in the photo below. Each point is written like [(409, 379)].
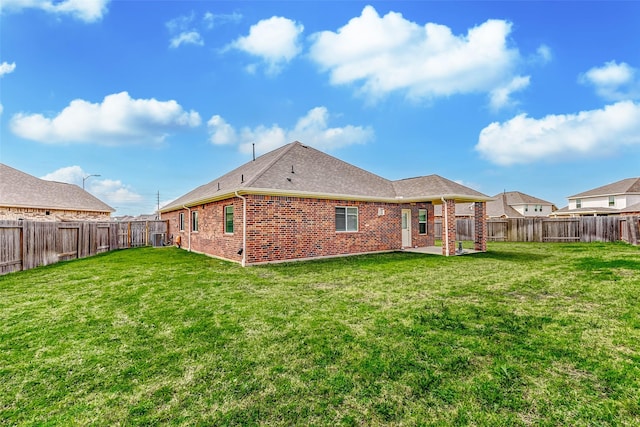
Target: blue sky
[(164, 96)]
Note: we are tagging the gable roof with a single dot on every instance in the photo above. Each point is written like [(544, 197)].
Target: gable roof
[(434, 187), (19, 189), (299, 170), (515, 198), (625, 186), (500, 207)]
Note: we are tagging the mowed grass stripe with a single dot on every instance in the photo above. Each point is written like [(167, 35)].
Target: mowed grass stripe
[(526, 334)]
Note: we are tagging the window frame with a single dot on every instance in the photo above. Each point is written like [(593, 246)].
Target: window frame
[(422, 223), (181, 221), (578, 203), (194, 221), (612, 201), (226, 220), (348, 212)]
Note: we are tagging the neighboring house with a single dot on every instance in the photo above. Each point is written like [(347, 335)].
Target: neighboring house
[(619, 198), (298, 203), (509, 204), (26, 197), (514, 204)]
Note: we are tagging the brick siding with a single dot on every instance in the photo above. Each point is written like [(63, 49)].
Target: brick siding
[(480, 225), (283, 228), (37, 214), (449, 229)]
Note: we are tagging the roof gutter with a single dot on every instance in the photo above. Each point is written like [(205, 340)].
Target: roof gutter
[(459, 198), (244, 228)]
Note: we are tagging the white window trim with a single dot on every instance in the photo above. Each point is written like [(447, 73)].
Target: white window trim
[(425, 222), (225, 220), (195, 227), (346, 219)]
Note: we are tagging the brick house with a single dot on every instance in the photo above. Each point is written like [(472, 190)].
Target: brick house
[(23, 196), (298, 203)]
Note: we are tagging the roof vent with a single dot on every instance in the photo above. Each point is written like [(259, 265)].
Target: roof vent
[(292, 169)]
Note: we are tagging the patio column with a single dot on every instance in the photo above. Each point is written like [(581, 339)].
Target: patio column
[(449, 227), (480, 225)]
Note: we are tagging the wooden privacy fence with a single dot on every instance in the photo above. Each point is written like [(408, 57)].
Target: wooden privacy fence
[(578, 229), (28, 244)]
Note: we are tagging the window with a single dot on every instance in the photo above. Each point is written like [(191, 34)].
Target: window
[(612, 201), (538, 208), (228, 219), (526, 208), (346, 219), (194, 221), (422, 221), (181, 221), (578, 203)]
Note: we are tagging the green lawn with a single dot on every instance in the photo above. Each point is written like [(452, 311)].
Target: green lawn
[(526, 334)]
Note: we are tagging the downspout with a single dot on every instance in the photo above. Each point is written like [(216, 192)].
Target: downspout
[(244, 228), (189, 239), (446, 223)]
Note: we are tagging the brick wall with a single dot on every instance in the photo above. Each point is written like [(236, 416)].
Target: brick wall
[(449, 231), (210, 238), (480, 224), (287, 228), (37, 214)]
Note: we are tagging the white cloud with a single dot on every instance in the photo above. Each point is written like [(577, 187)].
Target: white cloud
[(561, 137), (189, 37), (501, 96), (183, 31), (221, 132), (118, 120), (6, 68), (181, 23), (112, 192), (69, 174), (391, 54), (84, 10), (613, 81), (275, 40), (212, 20), (312, 129), (543, 54)]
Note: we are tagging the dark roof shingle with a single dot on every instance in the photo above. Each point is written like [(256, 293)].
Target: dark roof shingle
[(625, 186), (297, 169), (19, 189)]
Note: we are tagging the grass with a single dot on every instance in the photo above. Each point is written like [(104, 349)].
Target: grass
[(526, 334)]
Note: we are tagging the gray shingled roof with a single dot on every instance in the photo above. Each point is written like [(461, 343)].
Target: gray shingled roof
[(500, 207), (625, 186), (299, 170), (19, 189), (514, 198)]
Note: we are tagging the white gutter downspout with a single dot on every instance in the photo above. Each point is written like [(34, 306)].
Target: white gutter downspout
[(446, 224), (244, 229), (189, 239)]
